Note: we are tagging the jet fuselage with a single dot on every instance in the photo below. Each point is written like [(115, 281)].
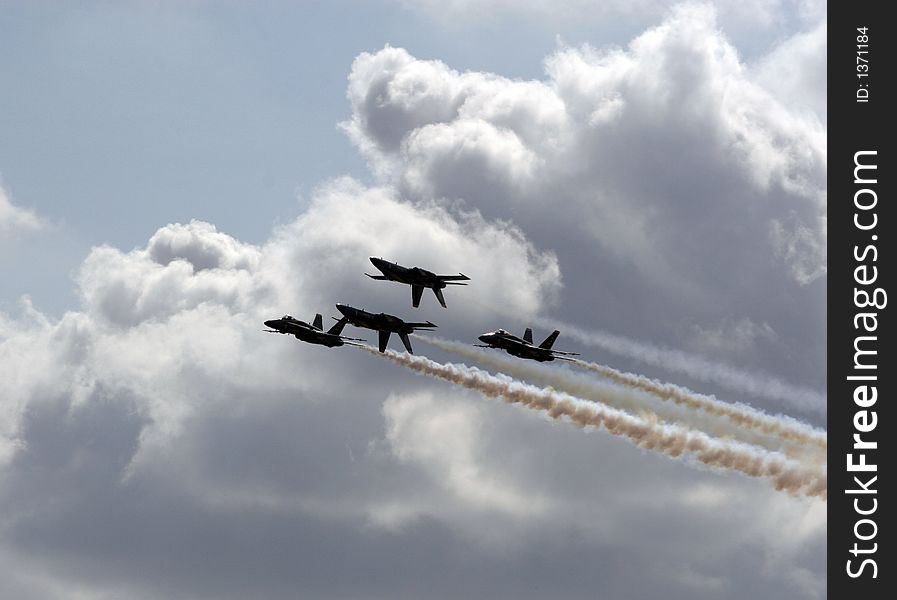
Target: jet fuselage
[(515, 346), (417, 278), (383, 323), (409, 275), (305, 332)]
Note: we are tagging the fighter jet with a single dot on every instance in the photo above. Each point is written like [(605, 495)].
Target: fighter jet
[(383, 323), (417, 278), (524, 348), (314, 333)]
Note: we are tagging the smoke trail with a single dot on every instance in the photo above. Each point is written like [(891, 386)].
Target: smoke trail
[(745, 418), (739, 380), (743, 415), (671, 440)]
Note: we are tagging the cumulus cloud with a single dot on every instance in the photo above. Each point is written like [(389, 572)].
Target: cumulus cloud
[(189, 304), (447, 441), (152, 425), (16, 218), (671, 178), (155, 443), (795, 71), (677, 103)]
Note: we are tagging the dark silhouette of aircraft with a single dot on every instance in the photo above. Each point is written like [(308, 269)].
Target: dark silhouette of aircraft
[(524, 348), (417, 278), (383, 323), (314, 333)]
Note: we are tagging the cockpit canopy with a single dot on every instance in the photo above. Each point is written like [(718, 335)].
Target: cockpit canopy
[(287, 318), (501, 332)]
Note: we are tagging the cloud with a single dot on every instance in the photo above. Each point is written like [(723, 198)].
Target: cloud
[(677, 103), (796, 70), (669, 176), (155, 443), (158, 430), (447, 441), (16, 218), (188, 306)]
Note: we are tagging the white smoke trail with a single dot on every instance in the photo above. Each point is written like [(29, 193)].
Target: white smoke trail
[(671, 440), (773, 430), (743, 415), (755, 384)]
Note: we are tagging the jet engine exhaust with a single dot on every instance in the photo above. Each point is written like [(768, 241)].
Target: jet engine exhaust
[(749, 424), (671, 440)]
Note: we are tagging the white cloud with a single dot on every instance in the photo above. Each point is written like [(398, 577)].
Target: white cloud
[(572, 152), (16, 218), (795, 71), (446, 440), (162, 397), (187, 308), (155, 443)]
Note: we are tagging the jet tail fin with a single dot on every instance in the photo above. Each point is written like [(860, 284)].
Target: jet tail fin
[(416, 292), (318, 323), (338, 328), (549, 341), (439, 296), (384, 339), (407, 342), (528, 336)]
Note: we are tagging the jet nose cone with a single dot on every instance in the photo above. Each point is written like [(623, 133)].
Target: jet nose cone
[(484, 338), (341, 308), (269, 324), (376, 261)]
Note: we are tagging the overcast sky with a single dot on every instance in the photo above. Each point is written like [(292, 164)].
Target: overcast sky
[(650, 174)]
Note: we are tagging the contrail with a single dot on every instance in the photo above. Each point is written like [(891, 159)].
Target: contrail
[(742, 416), (756, 384), (672, 440)]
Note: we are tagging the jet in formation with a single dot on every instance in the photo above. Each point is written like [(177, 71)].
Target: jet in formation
[(314, 333), (417, 278), (383, 323), (524, 348)]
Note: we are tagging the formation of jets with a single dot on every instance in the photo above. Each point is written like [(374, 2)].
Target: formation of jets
[(385, 325)]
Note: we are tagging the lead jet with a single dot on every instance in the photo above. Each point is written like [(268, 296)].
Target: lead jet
[(417, 278), (524, 348), (314, 333), (383, 323)]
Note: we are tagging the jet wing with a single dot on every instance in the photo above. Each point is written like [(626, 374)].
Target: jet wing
[(559, 353), (380, 277), (458, 277)]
